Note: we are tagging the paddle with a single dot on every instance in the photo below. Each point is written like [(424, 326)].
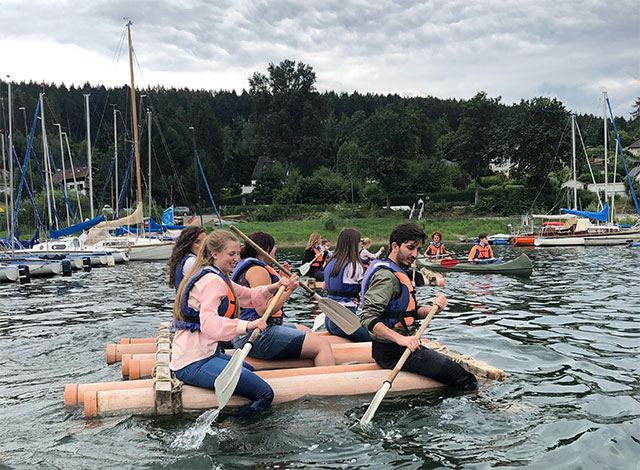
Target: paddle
[(304, 269), (227, 381), (346, 320), (413, 279), (377, 399), (449, 262)]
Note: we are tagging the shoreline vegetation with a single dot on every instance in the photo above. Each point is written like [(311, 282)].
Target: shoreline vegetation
[(296, 232)]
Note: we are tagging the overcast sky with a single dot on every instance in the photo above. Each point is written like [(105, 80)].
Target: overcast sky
[(515, 49)]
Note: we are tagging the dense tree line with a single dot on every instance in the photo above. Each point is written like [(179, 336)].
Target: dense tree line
[(329, 147)]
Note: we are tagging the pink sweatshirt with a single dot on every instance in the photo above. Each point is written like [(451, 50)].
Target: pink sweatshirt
[(206, 296)]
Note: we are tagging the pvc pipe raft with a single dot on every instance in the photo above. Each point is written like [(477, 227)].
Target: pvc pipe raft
[(143, 400), (148, 346), (74, 393), (137, 366)]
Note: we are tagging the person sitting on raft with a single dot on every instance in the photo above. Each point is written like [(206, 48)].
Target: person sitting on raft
[(436, 248), (206, 312), (391, 310), (481, 252), (365, 255), (316, 255), (184, 253), (325, 244), (280, 340), (343, 276)]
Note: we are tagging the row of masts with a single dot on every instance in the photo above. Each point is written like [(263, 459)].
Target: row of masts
[(48, 171)]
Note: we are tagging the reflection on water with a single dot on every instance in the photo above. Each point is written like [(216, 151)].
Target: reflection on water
[(568, 338)]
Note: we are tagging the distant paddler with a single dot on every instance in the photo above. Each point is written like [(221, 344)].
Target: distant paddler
[(207, 310), (365, 255), (436, 248), (314, 258), (481, 252)]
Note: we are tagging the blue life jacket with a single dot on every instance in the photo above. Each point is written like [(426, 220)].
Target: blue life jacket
[(401, 311), (336, 288), (179, 273), (251, 313), (191, 315)]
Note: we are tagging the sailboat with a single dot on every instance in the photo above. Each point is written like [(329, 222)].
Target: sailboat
[(579, 231), (140, 248)]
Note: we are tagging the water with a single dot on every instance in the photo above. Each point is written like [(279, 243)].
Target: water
[(568, 337)]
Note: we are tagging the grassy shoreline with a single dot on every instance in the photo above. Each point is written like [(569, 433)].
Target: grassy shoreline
[(296, 232)]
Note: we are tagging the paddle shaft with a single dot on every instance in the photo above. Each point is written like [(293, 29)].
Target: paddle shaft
[(268, 256), (407, 351), (267, 313)]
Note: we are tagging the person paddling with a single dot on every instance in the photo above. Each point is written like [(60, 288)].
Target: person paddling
[(342, 279), (280, 340), (365, 255), (481, 252), (391, 312), (316, 255), (436, 248), (206, 311), (184, 253)]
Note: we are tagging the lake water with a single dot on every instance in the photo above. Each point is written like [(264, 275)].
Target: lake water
[(568, 338)]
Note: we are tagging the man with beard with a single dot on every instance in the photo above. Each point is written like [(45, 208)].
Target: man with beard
[(391, 310)]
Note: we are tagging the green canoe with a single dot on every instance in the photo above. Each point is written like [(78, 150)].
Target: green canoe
[(520, 266)]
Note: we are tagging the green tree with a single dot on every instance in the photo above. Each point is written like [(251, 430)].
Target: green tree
[(389, 141), (350, 164), (534, 139), (476, 142), (269, 182)]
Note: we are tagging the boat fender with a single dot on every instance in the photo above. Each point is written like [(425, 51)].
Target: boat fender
[(86, 264), (66, 268), (24, 275)]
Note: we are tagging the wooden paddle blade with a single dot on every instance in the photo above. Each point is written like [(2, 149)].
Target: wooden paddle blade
[(227, 381), (318, 322), (449, 263), (375, 403), (344, 318)]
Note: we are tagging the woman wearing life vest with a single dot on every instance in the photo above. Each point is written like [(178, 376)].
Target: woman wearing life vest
[(184, 253), (436, 248), (365, 255), (314, 253), (206, 312), (280, 340), (481, 252), (342, 279)]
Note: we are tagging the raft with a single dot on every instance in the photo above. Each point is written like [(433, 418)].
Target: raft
[(164, 394), (521, 266)]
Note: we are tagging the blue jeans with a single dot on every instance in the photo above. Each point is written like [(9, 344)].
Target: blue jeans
[(361, 335), (203, 373), (276, 342)]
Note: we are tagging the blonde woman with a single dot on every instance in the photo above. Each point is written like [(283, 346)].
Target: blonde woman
[(206, 312), (365, 255), (316, 255)]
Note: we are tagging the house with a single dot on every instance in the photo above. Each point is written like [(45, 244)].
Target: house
[(502, 167), (634, 173), (81, 183), (634, 148), (262, 164), (618, 189), (569, 184)]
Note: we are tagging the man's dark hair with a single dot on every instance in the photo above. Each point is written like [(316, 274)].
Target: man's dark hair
[(483, 235), (406, 232)]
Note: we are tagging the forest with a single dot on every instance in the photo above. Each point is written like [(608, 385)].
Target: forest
[(328, 147)]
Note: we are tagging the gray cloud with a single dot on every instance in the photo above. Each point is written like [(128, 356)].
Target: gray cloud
[(518, 49)]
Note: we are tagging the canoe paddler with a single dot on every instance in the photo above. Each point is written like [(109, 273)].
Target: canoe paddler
[(391, 312), (365, 255), (184, 253), (481, 252), (315, 255), (436, 248), (207, 310)]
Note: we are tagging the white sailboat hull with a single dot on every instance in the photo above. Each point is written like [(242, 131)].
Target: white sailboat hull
[(151, 252), (8, 273)]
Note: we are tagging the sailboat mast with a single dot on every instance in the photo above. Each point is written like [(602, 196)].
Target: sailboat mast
[(149, 181), (573, 161), (115, 157), (45, 151), (86, 100), (4, 174), (134, 114), (11, 201), (606, 160)]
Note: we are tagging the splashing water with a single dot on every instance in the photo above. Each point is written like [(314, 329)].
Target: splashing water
[(193, 437)]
